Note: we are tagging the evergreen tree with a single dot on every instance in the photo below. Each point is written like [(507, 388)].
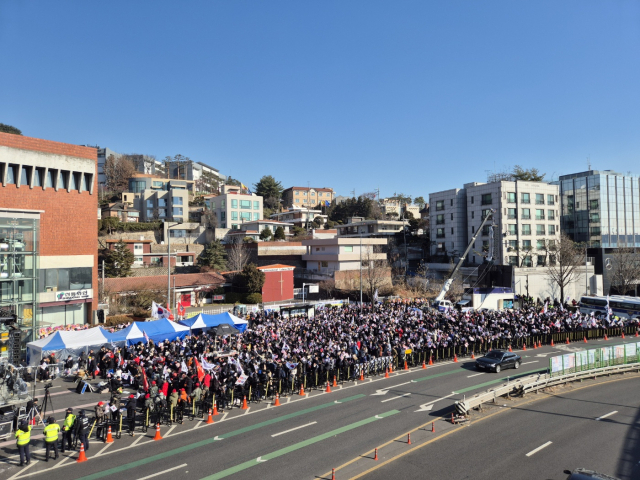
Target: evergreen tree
[(9, 129), (279, 235), (214, 256), (118, 261), (251, 280), (266, 234)]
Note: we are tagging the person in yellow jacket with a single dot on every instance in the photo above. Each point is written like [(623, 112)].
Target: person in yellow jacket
[(23, 437), (68, 429), (51, 432)]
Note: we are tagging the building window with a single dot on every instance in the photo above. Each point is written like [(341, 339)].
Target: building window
[(234, 226), (511, 213), (50, 179), (595, 231), (511, 197), (439, 205), (24, 176), (440, 219), (150, 203), (539, 199), (526, 245), (177, 201), (551, 214), (223, 216), (486, 230), (137, 246), (162, 212), (223, 204), (525, 198), (234, 215), (64, 180), (540, 244), (178, 233), (245, 216), (550, 200), (512, 246), (256, 205), (512, 229), (137, 186), (157, 184), (552, 259), (452, 217), (245, 204), (347, 249), (526, 214), (38, 177), (486, 199), (177, 211), (451, 230), (471, 200), (485, 246), (88, 181), (541, 260), (452, 202), (473, 229), (486, 213), (440, 233), (11, 174), (526, 229), (526, 261), (256, 216), (539, 229), (513, 261), (594, 204), (297, 192), (552, 229), (472, 214), (539, 214), (234, 203)]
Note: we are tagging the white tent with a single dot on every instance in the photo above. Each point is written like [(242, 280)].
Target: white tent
[(63, 344)]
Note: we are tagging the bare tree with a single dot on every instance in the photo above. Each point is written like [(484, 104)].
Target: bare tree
[(117, 173), (209, 218), (563, 257), (376, 272), (237, 255), (625, 271)]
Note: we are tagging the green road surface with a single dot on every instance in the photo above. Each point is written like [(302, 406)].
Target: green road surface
[(296, 446), (208, 441)]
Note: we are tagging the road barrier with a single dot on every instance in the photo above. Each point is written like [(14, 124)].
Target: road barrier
[(594, 358), (531, 383)]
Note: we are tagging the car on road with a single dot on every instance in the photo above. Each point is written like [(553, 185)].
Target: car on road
[(583, 474), (497, 360)]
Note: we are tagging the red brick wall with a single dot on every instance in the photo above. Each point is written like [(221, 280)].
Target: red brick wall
[(69, 224), (272, 291)]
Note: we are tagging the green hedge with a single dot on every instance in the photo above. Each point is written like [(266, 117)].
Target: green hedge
[(132, 226)]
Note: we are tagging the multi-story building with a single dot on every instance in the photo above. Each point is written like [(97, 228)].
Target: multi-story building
[(358, 226), (300, 217), (601, 209), (307, 197), (525, 221), (233, 207), (103, 154), (159, 198), (48, 253), (394, 206), (142, 163), (206, 179)]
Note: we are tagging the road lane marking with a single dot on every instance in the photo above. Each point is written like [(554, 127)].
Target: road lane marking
[(384, 391), (208, 441), (395, 398), (527, 363), (425, 407), (163, 472), (607, 415), (105, 447), (297, 446), (536, 450), (476, 374), (23, 469), (292, 429)]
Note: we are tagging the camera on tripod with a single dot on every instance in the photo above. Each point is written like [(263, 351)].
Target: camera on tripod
[(47, 386)]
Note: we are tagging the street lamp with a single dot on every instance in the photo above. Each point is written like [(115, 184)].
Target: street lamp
[(179, 222)]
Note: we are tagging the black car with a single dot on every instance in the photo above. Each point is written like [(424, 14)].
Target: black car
[(497, 360), (583, 474)]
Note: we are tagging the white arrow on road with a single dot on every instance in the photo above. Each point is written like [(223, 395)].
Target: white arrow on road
[(217, 438), (425, 407), (384, 391), (259, 459), (395, 398)]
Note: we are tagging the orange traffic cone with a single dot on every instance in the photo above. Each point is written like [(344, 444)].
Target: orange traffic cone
[(535, 345), (405, 365), (473, 357), (333, 474), (109, 437), (455, 358), (376, 455), (408, 439), (510, 348), (391, 368), (585, 339), (215, 409), (386, 373), (552, 344), (433, 427), (637, 333), (567, 342), (158, 436), (302, 390), (452, 420), (277, 403), (335, 384), (424, 365), (524, 347), (622, 334), (328, 390), (430, 361), (210, 418), (244, 403), (82, 457)]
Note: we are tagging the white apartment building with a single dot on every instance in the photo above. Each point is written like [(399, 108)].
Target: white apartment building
[(526, 219), (298, 216), (328, 255), (358, 226), (232, 207)]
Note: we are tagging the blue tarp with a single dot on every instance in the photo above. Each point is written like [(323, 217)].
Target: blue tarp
[(63, 343), (157, 330)]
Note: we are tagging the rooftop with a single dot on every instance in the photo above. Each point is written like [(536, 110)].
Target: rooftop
[(128, 284)]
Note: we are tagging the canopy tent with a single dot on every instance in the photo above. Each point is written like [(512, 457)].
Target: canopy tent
[(157, 330), (63, 344), (226, 329), (204, 322)]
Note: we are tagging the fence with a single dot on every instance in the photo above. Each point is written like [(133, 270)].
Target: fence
[(594, 358)]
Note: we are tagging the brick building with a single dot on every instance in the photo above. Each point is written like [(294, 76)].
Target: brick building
[(307, 197), (48, 234), (278, 283)]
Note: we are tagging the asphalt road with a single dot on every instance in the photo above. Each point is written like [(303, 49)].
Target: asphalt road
[(594, 427), (303, 438)]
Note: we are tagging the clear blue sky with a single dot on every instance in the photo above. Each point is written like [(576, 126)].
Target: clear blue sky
[(410, 96)]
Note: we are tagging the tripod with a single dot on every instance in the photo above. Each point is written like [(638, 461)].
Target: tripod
[(47, 402)]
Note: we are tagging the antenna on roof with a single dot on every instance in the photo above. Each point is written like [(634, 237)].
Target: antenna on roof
[(589, 162)]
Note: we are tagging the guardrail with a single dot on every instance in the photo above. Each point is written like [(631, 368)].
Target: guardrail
[(535, 382)]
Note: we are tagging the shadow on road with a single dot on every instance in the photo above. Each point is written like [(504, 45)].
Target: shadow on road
[(628, 466)]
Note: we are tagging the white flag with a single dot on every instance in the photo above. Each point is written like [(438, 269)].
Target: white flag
[(183, 367)]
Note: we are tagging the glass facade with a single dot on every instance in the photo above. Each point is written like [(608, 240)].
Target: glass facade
[(601, 208), (19, 248)]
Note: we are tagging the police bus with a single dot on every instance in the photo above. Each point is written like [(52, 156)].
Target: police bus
[(623, 307)]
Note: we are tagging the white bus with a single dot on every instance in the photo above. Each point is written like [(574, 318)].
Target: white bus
[(623, 307)]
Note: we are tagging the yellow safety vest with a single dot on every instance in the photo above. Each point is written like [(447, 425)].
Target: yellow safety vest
[(23, 437), (51, 432), (68, 422)]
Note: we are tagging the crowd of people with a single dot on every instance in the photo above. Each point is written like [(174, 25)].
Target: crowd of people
[(202, 370)]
